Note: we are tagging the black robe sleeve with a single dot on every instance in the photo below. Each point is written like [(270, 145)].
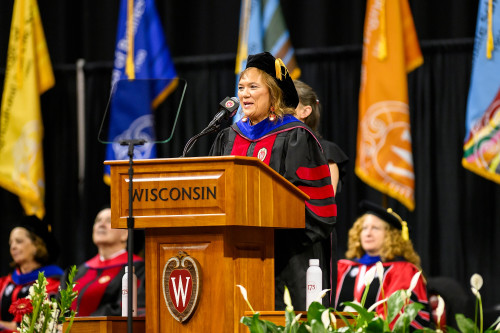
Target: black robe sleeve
[(220, 144), (306, 167)]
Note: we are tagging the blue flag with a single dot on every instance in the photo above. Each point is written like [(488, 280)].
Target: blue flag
[(482, 140), (146, 57), (263, 28)]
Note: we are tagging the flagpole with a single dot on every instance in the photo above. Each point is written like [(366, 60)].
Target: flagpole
[(80, 108), (130, 226)]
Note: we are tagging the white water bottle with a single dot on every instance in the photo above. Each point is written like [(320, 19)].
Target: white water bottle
[(125, 293), (314, 282)]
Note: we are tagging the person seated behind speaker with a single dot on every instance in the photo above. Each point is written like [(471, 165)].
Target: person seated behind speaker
[(99, 280), (270, 132), (33, 248), (309, 111), (380, 235)]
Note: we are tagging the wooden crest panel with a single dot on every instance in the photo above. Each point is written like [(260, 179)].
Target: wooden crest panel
[(220, 210)]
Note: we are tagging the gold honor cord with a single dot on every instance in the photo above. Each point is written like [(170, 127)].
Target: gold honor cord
[(129, 67)]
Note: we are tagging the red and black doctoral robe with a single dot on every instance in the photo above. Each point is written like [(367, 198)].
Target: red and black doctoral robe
[(397, 276), (99, 286), (291, 149)]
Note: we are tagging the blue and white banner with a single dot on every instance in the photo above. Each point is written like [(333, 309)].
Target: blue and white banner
[(145, 56)]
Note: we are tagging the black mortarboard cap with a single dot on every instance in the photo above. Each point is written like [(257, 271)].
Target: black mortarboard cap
[(386, 214), (276, 68), (42, 230)]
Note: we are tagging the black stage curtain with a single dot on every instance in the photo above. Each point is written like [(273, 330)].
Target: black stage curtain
[(456, 221)]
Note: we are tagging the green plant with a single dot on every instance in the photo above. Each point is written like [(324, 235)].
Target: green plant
[(467, 325), (321, 319), (398, 310), (39, 313)]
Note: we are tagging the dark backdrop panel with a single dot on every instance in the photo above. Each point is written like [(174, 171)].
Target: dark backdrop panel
[(456, 221)]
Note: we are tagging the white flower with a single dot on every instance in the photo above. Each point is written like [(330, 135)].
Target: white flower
[(32, 290), (243, 292), (333, 319), (288, 300), (296, 319), (308, 328), (476, 281), (369, 276), (348, 308), (440, 308), (380, 271), (413, 283), (325, 318), (321, 294), (245, 296), (374, 306), (476, 293), (497, 328)]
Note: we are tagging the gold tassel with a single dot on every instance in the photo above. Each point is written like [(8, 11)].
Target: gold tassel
[(489, 41), (404, 231), (404, 226), (277, 66)]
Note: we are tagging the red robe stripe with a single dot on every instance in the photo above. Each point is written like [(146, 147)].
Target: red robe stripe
[(316, 173), (317, 192), (322, 211)]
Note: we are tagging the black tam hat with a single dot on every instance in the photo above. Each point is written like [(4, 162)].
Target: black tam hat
[(388, 215), (43, 230), (276, 68)]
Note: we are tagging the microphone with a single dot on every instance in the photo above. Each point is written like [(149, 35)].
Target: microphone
[(227, 109)]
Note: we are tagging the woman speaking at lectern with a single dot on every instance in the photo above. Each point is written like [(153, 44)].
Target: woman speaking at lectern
[(269, 131)]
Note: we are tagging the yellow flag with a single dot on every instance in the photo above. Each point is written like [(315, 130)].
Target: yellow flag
[(390, 50), (29, 74)]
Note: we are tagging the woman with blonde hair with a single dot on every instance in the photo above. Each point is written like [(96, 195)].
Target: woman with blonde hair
[(380, 235)]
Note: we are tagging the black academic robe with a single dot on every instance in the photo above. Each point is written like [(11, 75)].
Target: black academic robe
[(334, 154), (99, 286), (290, 148)]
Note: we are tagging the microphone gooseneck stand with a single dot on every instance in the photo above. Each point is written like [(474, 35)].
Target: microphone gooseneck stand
[(130, 226), (227, 109), (210, 129)]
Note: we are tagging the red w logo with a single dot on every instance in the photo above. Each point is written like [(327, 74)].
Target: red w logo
[(181, 287)]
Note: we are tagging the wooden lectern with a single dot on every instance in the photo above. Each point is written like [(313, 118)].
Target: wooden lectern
[(222, 211)]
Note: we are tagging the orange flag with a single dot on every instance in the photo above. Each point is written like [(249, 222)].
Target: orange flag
[(390, 51)]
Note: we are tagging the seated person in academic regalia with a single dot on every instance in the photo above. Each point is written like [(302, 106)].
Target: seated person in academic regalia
[(33, 248), (380, 235), (99, 280)]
